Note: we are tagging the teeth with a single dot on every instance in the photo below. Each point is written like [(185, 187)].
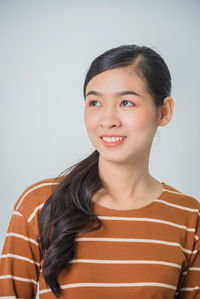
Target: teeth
[(112, 139)]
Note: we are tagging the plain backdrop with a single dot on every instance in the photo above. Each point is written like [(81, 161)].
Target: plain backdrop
[(46, 48)]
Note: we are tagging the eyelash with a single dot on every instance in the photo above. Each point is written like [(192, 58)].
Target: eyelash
[(90, 104)]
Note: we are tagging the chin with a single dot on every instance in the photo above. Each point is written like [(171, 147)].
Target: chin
[(115, 157)]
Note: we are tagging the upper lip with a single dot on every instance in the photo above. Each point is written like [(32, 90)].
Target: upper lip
[(113, 135)]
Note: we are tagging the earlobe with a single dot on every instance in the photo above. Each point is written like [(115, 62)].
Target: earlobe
[(165, 112)]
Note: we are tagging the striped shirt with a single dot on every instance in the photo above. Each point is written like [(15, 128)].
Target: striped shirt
[(149, 252)]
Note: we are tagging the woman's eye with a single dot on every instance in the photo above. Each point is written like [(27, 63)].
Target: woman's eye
[(96, 103), (132, 104), (92, 103)]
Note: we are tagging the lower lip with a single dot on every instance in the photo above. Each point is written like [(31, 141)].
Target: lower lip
[(111, 144)]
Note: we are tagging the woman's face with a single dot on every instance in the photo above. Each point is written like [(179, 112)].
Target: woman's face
[(110, 112)]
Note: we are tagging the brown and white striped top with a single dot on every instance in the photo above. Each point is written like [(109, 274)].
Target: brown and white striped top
[(150, 252)]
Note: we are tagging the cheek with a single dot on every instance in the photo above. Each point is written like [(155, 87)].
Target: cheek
[(146, 120), (141, 121), (90, 121)]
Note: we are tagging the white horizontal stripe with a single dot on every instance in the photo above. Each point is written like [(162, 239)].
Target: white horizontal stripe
[(34, 212), (18, 278), (93, 284), (147, 220), (34, 188), (194, 269), (20, 258), (11, 297), (177, 206), (176, 192), (22, 237), (196, 237), (145, 262), (190, 289), (136, 241), (18, 214)]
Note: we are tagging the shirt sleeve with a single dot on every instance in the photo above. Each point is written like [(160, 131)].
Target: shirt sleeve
[(190, 284), (20, 260)]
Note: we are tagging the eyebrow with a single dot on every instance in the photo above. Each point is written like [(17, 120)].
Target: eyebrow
[(121, 93)]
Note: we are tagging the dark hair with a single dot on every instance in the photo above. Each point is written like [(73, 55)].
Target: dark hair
[(68, 212), (148, 64)]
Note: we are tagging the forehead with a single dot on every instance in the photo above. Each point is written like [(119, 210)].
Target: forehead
[(115, 80)]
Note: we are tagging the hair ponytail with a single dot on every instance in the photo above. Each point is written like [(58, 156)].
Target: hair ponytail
[(65, 214)]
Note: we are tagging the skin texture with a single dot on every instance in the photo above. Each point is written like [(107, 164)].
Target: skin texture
[(124, 168)]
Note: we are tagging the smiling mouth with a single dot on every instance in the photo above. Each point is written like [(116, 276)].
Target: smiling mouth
[(113, 139)]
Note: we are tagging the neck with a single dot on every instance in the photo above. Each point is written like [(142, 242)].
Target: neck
[(123, 182)]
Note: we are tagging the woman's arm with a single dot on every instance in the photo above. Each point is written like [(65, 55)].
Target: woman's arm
[(190, 279), (20, 260)]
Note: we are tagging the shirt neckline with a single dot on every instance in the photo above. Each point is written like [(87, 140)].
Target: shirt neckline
[(100, 208)]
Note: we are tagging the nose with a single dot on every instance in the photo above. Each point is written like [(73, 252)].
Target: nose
[(110, 119)]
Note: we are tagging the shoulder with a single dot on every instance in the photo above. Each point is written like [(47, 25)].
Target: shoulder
[(175, 196), (182, 207), (34, 196)]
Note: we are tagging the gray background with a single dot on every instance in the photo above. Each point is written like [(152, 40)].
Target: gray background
[(46, 48)]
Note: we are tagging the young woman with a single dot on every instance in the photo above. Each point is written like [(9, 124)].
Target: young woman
[(108, 228)]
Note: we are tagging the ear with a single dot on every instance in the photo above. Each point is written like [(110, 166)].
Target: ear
[(165, 112)]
